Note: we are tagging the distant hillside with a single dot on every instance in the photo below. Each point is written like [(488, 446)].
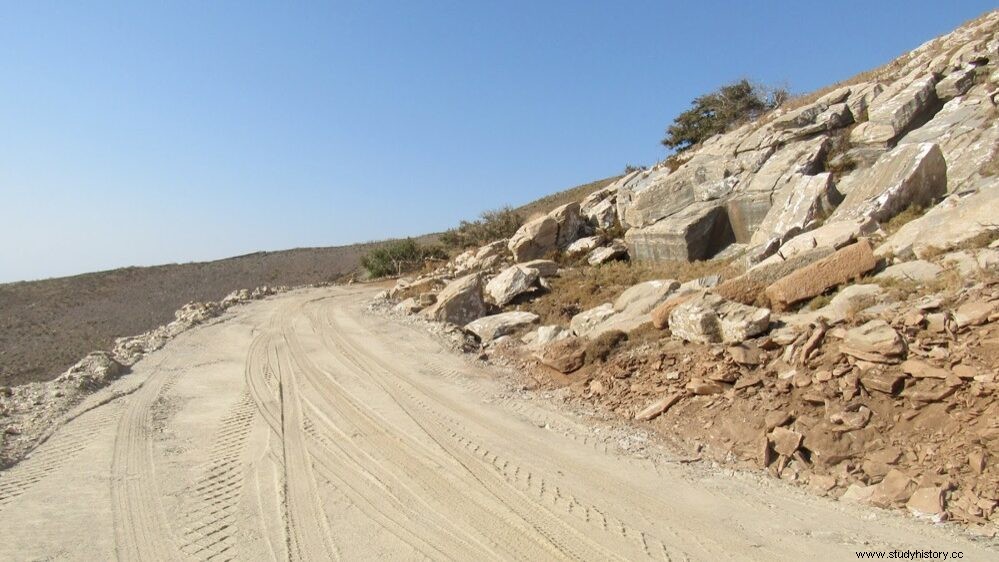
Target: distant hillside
[(48, 325)]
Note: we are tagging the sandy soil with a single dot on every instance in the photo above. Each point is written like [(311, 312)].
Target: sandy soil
[(303, 427)]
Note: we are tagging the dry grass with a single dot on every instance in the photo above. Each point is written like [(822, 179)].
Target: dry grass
[(601, 347), (819, 302), (911, 213), (980, 241), (949, 281), (582, 288)]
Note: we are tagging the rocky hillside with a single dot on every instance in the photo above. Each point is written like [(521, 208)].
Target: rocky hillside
[(839, 327)]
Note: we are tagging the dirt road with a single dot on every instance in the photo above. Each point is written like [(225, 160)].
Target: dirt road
[(303, 427)]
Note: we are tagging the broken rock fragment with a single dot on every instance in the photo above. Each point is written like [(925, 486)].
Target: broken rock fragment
[(565, 356), (874, 341), (711, 319), (814, 279)]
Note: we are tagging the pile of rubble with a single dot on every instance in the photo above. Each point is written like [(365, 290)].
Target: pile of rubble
[(855, 352), (28, 411)]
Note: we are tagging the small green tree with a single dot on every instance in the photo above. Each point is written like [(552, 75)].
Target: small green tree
[(716, 112), (395, 258)]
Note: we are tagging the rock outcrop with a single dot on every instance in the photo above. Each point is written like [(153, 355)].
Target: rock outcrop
[(460, 302), (510, 283), (711, 319), (554, 231), (489, 328)]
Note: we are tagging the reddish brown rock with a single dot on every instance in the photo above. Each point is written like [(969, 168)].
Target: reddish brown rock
[(776, 418), (882, 382), (785, 441), (748, 287), (813, 280), (977, 461), (565, 356), (896, 488), (928, 392), (745, 354), (875, 341), (922, 370), (702, 387), (927, 501), (658, 407), (660, 315)]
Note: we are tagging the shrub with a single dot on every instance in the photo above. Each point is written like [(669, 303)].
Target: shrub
[(395, 258), (601, 347), (492, 225), (716, 112)]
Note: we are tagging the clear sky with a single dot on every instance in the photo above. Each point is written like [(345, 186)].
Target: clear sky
[(145, 133)]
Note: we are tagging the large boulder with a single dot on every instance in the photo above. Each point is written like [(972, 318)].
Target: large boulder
[(748, 287), (545, 335), (534, 239), (814, 279), (658, 195), (917, 271), (616, 250), (603, 214), (584, 245), (510, 283), (968, 135), (569, 223), (956, 83), (459, 302), (695, 233), (911, 174), (891, 113), (828, 112), (545, 268), (709, 318), (600, 207), (861, 97), (948, 225), (797, 208), (752, 201), (629, 310), (554, 231), (587, 320), (833, 234), (489, 328)]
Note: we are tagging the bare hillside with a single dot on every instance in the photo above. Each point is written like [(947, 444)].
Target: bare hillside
[(48, 325)]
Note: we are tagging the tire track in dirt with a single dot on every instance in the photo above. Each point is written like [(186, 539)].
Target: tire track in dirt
[(566, 540), (211, 521), (345, 336), (140, 527), (308, 529), (272, 385), (394, 488), (59, 450)]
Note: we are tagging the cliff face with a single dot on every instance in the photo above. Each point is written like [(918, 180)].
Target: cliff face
[(919, 130)]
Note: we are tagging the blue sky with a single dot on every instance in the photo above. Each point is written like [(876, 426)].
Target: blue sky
[(146, 133)]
